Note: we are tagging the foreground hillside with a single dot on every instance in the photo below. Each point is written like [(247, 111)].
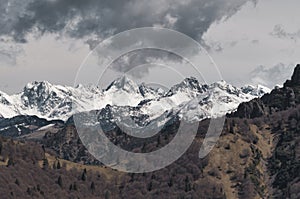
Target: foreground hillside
[(257, 156), (254, 158)]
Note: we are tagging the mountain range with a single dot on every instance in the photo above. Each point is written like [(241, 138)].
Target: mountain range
[(55, 102), (42, 104)]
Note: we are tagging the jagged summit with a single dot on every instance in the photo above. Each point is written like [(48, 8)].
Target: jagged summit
[(124, 83), (189, 85), (223, 85), (149, 92), (37, 84)]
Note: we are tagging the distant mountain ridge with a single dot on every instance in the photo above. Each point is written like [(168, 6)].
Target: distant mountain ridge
[(60, 102)]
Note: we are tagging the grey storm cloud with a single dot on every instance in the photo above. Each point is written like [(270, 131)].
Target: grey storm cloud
[(79, 18), (131, 62), (95, 20)]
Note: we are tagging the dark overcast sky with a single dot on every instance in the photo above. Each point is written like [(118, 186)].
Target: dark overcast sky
[(251, 41)]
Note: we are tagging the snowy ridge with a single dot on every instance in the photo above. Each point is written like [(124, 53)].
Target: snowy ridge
[(190, 99)]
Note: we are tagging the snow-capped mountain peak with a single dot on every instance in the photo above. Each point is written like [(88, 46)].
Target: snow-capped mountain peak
[(258, 90), (149, 92), (223, 85), (125, 84), (60, 102), (189, 85)]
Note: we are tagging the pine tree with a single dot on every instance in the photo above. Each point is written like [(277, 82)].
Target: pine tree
[(158, 141), (187, 184), (45, 163), (58, 166), (144, 148), (1, 146), (83, 176), (75, 186), (10, 162), (231, 129), (17, 182), (107, 194), (170, 183), (150, 186), (38, 187), (93, 187), (59, 182)]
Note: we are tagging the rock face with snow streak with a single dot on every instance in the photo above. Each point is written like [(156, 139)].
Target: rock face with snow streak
[(188, 99)]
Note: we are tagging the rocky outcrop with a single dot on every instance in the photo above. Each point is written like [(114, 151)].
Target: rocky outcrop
[(278, 100), (24, 124), (252, 109)]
